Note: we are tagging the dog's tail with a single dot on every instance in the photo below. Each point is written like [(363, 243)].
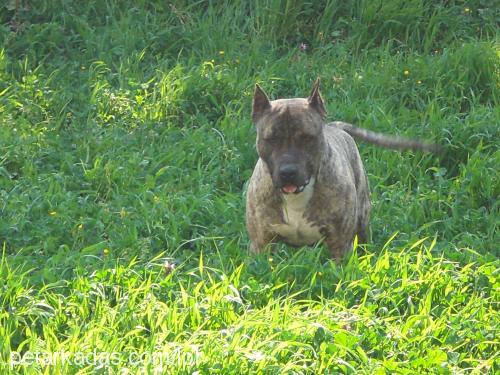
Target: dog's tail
[(387, 141)]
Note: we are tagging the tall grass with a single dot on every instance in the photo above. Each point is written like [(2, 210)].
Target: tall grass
[(125, 147)]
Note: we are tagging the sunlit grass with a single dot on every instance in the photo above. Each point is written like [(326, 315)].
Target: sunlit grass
[(125, 146)]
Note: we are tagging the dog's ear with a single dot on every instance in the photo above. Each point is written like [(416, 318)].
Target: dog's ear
[(260, 103), (315, 101)]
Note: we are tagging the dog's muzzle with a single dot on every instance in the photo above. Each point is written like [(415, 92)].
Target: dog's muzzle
[(290, 179), (293, 189)]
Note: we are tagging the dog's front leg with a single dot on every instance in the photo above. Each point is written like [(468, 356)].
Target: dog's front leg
[(337, 248), (261, 242)]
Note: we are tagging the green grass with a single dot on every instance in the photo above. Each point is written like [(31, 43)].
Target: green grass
[(125, 146)]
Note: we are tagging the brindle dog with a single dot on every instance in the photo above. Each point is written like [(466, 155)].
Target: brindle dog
[(309, 183)]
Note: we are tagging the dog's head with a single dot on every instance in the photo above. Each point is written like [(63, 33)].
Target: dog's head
[(290, 137)]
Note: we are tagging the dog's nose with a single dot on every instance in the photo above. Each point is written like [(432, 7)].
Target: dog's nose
[(288, 172)]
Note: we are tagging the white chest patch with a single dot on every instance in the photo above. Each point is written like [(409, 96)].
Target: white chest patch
[(297, 230)]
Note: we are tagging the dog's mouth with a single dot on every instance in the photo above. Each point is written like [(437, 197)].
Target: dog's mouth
[(293, 189)]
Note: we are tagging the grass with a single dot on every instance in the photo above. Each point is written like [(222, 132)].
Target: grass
[(125, 146)]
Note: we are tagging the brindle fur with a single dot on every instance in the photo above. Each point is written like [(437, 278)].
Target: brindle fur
[(292, 131)]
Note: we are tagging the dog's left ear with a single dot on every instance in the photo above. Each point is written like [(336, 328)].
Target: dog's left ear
[(315, 101), (260, 103)]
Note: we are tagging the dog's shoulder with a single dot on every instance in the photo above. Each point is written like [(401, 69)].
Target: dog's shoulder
[(341, 145), (337, 135)]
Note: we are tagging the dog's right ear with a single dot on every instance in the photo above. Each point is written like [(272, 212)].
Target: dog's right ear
[(260, 103)]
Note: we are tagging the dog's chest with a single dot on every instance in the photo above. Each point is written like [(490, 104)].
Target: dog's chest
[(296, 229)]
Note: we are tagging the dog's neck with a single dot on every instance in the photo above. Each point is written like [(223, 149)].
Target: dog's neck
[(298, 202), (295, 228)]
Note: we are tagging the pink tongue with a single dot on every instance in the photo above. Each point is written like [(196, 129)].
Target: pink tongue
[(289, 189)]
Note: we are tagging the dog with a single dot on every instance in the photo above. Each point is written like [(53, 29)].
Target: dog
[(309, 183)]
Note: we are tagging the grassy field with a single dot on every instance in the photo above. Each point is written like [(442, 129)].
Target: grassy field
[(125, 146)]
